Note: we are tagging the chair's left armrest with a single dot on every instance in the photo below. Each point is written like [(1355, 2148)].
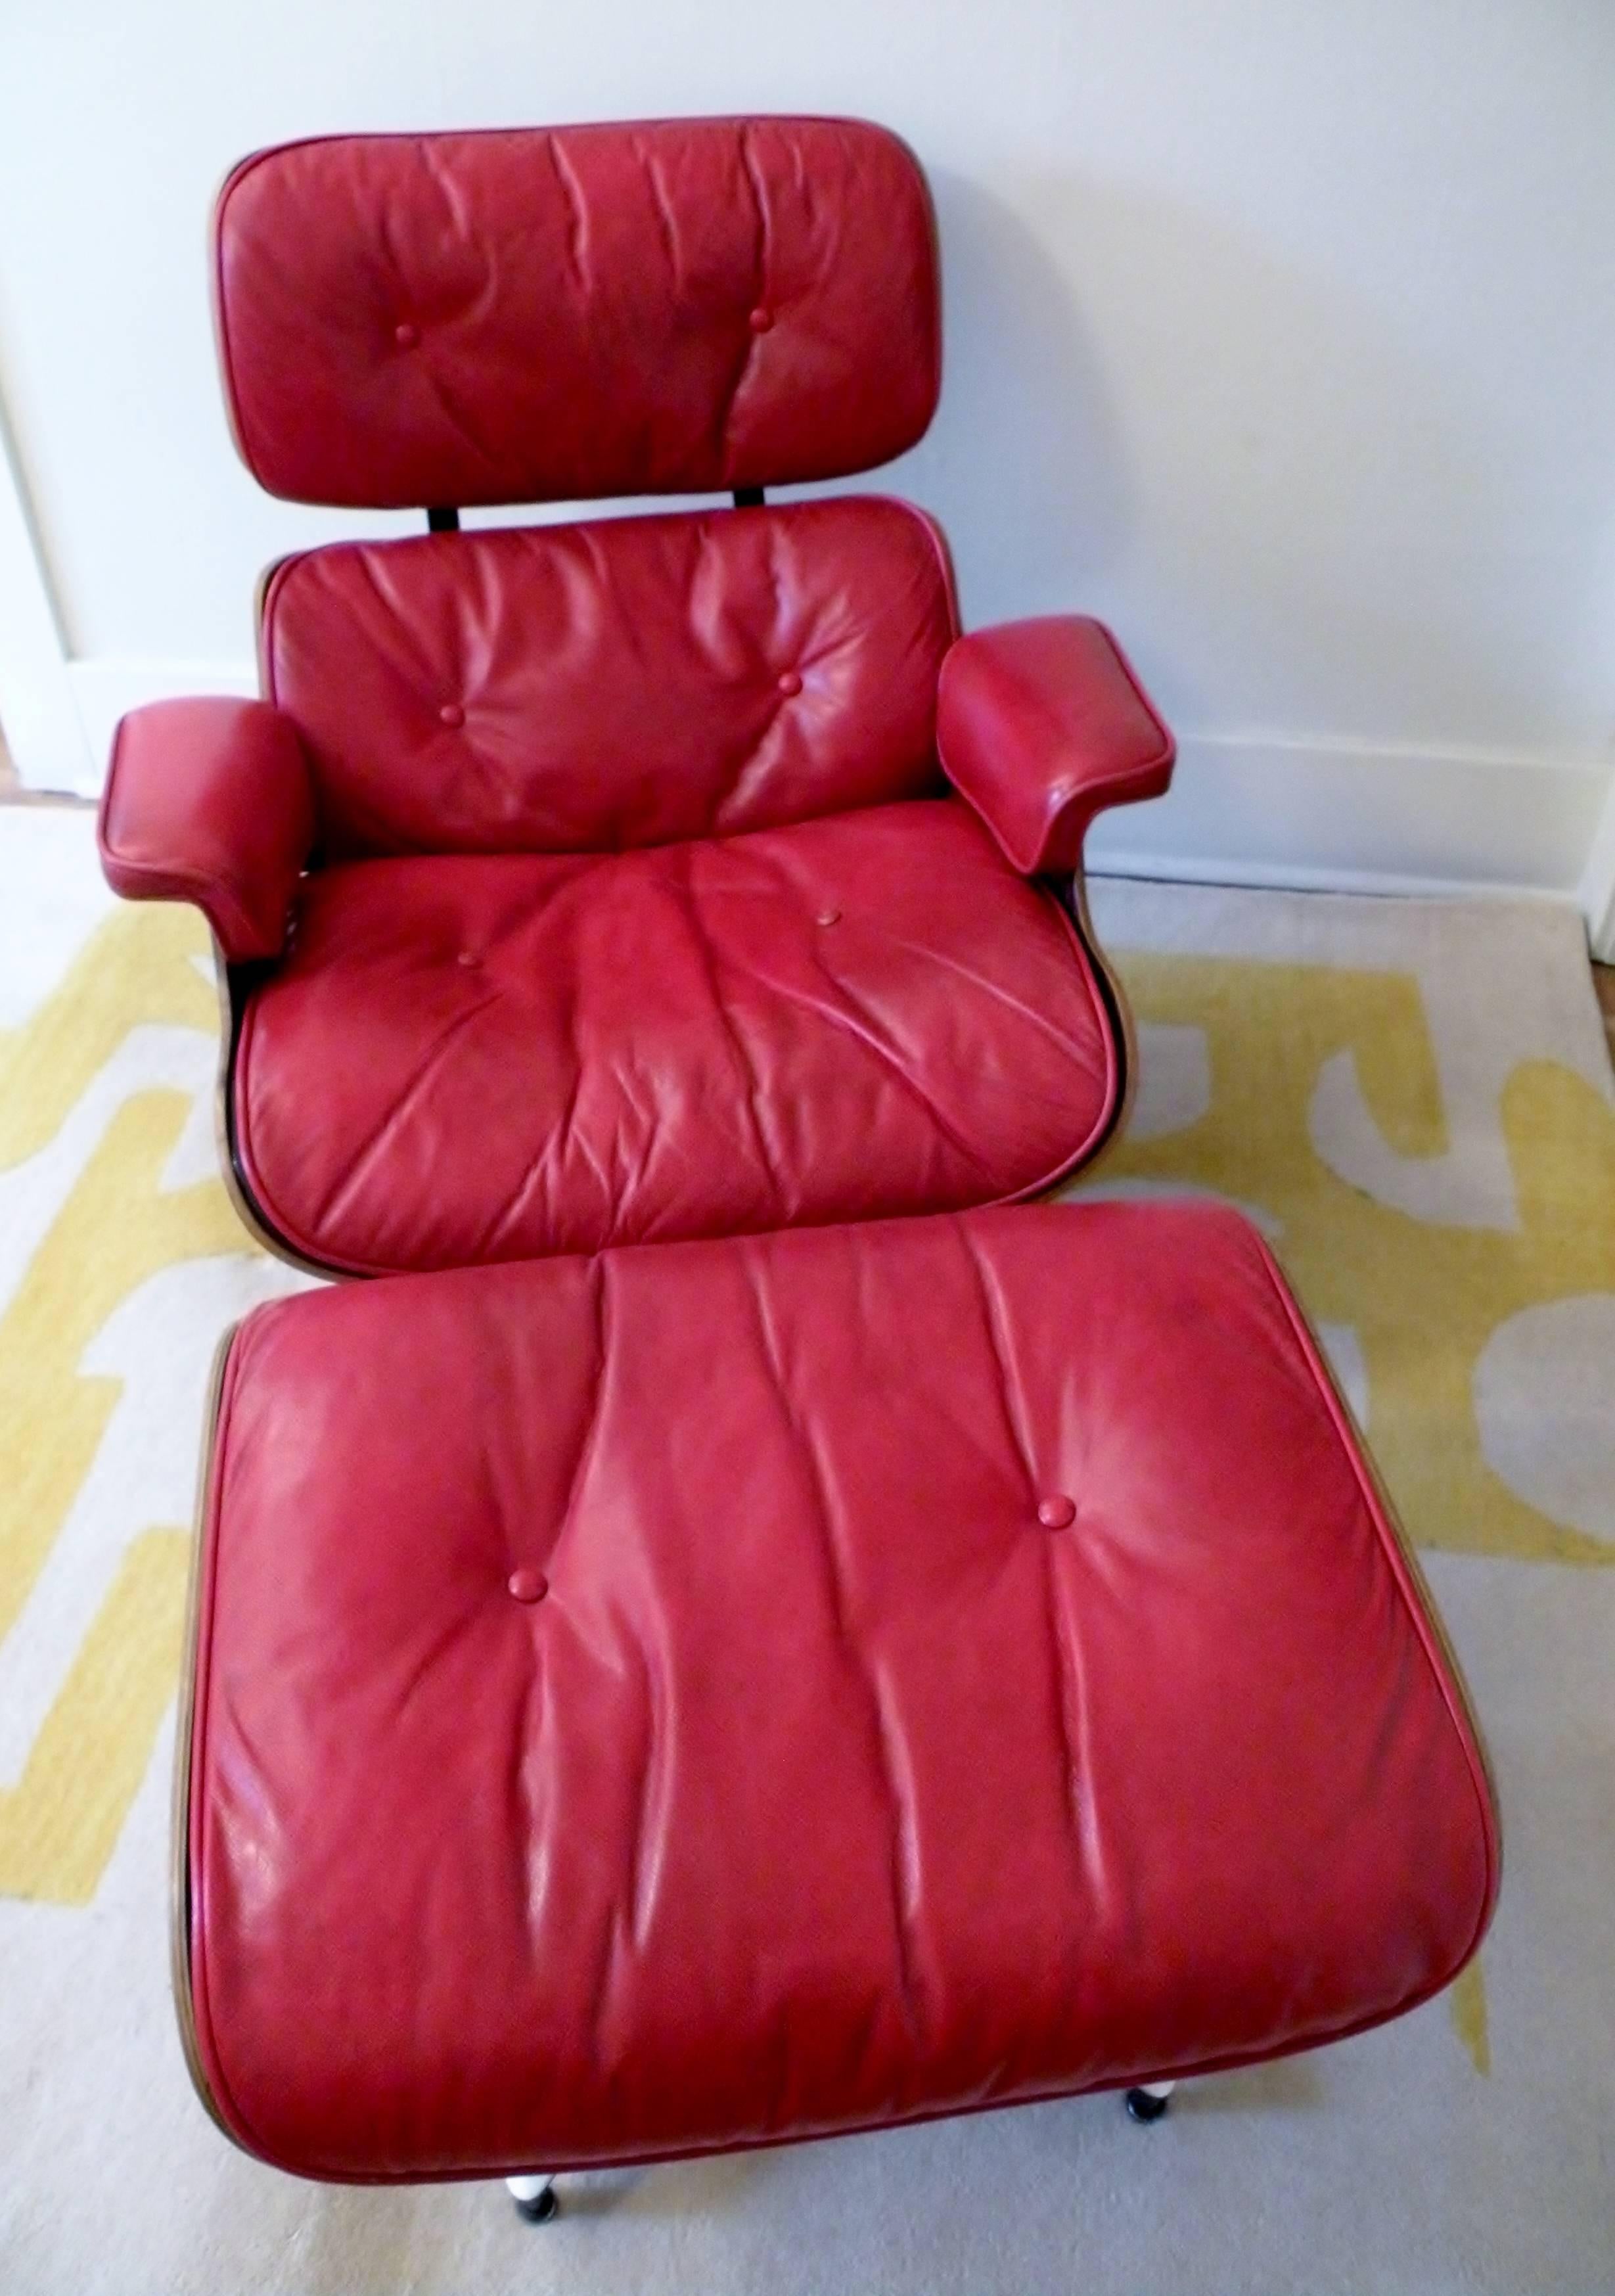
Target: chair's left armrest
[(210, 801), (1040, 725)]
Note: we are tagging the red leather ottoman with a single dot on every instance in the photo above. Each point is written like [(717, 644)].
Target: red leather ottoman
[(720, 1692)]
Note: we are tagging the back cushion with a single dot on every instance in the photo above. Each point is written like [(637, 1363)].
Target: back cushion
[(625, 681), (546, 315)]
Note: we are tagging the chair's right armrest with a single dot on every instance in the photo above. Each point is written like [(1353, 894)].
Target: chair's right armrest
[(210, 801)]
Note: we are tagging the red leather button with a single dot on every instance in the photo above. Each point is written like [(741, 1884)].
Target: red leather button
[(470, 957), (790, 681), (405, 336), (529, 1586), (1055, 1511), (760, 320), (451, 713), (829, 916)]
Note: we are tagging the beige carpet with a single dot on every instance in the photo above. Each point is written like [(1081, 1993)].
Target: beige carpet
[(1413, 1098)]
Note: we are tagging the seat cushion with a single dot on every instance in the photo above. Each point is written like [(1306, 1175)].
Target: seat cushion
[(468, 1058), (738, 1690)]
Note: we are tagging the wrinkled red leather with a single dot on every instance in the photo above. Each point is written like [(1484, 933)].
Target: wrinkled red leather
[(1040, 723), (209, 802), (615, 683), (487, 1057), (578, 307), (825, 1787)]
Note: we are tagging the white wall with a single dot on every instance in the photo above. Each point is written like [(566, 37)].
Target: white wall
[(1282, 336)]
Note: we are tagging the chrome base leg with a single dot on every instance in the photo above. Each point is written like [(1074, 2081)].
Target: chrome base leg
[(535, 2198)]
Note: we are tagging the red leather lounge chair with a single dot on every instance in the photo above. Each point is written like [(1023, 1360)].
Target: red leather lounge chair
[(645, 877)]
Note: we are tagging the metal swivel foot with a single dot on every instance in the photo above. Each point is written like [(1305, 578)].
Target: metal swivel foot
[(1149, 2102), (535, 2198)]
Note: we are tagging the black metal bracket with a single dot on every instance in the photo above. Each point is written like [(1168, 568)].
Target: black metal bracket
[(444, 520), (748, 497)]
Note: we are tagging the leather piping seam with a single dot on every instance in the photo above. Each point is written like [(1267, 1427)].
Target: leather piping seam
[(1229, 2061), (232, 999), (1393, 1543), (216, 2093), (179, 1839)]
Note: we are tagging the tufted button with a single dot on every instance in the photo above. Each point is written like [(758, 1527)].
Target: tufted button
[(451, 713), (760, 320), (829, 917), (470, 957), (1055, 1511), (790, 681), (406, 335), (529, 1586)]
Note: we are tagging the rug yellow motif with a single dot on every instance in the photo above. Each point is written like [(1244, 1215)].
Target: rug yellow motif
[(59, 1822)]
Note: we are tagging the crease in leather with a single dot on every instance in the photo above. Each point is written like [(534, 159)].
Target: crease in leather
[(625, 1928), (1074, 1798), (392, 1116), (453, 198), (447, 1635), (664, 213), (1083, 1817), (457, 419), (1413, 1608), (855, 1019), (527, 1841), (648, 1833), (600, 1273), (903, 1863), (683, 892), (552, 1147), (578, 216), (730, 398), (1086, 1806), (654, 1147), (907, 1867), (1011, 1395), (1076, 1051)]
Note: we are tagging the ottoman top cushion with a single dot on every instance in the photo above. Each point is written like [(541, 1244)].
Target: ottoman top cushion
[(717, 1693)]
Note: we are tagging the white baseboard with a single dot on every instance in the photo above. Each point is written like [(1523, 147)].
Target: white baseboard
[(1324, 814), (1347, 816)]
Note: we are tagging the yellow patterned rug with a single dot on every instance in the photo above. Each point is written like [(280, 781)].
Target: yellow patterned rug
[(1413, 1099)]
